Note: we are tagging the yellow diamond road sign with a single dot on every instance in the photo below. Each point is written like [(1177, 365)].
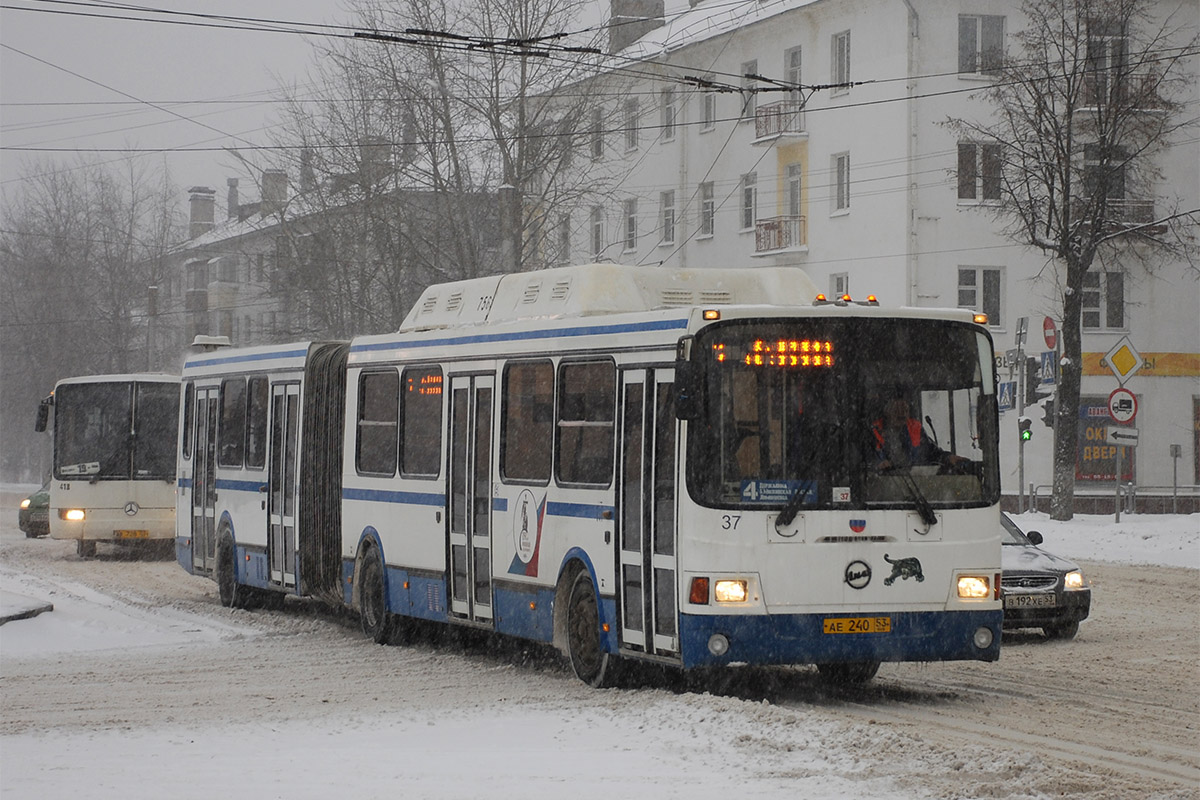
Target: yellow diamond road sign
[(1123, 360)]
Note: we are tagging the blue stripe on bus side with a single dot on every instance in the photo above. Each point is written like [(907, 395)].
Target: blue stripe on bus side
[(239, 486), (244, 359), (551, 333), (580, 510), (407, 498)]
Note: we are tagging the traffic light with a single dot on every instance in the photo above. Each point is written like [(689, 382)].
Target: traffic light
[(1048, 413), (1033, 371), (1026, 427)]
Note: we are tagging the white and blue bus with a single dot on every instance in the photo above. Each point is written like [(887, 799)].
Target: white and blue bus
[(629, 463), (114, 459)]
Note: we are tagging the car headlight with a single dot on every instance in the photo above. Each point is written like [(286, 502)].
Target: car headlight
[(1074, 580)]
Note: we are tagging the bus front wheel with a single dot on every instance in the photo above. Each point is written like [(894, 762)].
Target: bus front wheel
[(591, 662), (232, 594), (372, 602)]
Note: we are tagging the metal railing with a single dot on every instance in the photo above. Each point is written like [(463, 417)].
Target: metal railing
[(1124, 495), (778, 119), (780, 233)]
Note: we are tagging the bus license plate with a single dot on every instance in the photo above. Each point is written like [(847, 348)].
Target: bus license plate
[(133, 534), (858, 625), (1030, 601)]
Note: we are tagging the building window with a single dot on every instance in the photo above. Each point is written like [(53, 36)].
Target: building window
[(631, 124), (980, 289), (597, 225), (840, 70), (749, 200), (668, 111), (1103, 303), (791, 73), (1104, 172), (631, 224), (1107, 62), (708, 111), (564, 238), (707, 209), (666, 203), (979, 171), (839, 284), (749, 97), (793, 187), (980, 44), (597, 140), (841, 177)]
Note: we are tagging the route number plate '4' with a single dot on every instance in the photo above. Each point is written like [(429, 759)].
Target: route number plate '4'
[(858, 625)]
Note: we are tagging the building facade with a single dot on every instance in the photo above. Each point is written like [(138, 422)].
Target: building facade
[(711, 157)]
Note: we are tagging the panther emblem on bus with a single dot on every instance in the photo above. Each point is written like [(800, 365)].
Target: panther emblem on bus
[(903, 568)]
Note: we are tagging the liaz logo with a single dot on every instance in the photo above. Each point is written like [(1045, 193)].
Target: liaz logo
[(858, 525)]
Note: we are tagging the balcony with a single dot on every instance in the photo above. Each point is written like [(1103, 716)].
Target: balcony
[(780, 234), (1119, 212), (784, 120)]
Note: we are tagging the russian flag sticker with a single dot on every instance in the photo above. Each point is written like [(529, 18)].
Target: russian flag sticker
[(858, 525)]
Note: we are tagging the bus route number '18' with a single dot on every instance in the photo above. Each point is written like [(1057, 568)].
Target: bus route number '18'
[(858, 625)]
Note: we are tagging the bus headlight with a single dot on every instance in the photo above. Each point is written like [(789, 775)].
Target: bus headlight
[(974, 587), (25, 503), (1073, 580), (73, 514), (730, 591)]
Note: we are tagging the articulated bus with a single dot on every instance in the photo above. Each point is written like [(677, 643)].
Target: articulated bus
[(630, 464), (114, 459)]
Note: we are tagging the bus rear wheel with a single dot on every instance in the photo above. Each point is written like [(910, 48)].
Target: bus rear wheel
[(372, 601), (232, 594), (591, 662)]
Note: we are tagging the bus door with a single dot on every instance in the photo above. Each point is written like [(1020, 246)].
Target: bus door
[(204, 481), (469, 533), (646, 511), (281, 483)]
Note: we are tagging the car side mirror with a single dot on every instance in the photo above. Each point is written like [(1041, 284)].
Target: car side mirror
[(1034, 537), (689, 390), (43, 416)]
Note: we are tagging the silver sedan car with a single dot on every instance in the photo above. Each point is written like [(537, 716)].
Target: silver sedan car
[(1040, 590)]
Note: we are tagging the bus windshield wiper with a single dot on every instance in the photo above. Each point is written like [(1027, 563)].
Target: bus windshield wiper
[(919, 500)]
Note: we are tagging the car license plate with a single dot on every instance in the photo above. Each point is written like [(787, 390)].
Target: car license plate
[(1030, 601), (858, 625), (133, 534)]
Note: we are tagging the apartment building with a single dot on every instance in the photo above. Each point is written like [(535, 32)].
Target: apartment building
[(709, 156)]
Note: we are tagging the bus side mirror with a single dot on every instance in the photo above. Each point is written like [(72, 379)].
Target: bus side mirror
[(689, 398), (43, 417)]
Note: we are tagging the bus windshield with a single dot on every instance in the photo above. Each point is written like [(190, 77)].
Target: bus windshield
[(97, 435), (844, 413)]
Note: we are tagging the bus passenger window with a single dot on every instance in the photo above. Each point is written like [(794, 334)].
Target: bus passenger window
[(528, 421), (233, 422), (256, 423), (584, 430), (378, 410), (421, 408)]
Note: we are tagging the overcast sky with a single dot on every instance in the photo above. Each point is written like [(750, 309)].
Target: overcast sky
[(87, 75)]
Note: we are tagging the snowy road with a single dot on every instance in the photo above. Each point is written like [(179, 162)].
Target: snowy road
[(139, 685)]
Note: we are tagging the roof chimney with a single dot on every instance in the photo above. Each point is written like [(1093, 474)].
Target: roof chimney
[(203, 202), (274, 191), (231, 199), (630, 20)]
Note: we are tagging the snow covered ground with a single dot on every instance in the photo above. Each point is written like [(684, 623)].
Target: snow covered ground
[(617, 744)]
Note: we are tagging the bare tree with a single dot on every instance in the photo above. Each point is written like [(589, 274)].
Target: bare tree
[(1082, 108), (437, 140), (81, 247)]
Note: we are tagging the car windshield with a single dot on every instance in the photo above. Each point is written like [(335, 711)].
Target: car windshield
[(1013, 534), (848, 412)]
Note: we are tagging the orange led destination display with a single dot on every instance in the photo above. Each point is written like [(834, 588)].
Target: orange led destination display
[(429, 383), (784, 353)]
